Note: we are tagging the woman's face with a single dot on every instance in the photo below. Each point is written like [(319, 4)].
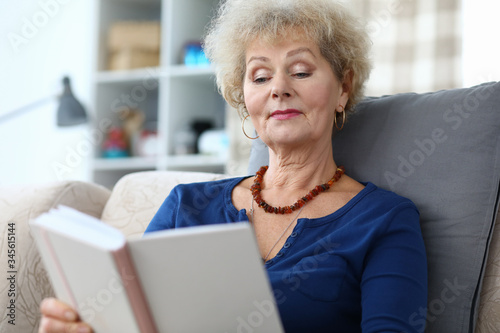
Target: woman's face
[(291, 92)]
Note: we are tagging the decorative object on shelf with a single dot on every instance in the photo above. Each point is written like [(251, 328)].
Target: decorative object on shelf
[(200, 126), (185, 141), (134, 44), (70, 111), (194, 55), (214, 142), (131, 36), (115, 145), (147, 143), (132, 124)]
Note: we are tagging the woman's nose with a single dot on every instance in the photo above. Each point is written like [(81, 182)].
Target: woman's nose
[(281, 87)]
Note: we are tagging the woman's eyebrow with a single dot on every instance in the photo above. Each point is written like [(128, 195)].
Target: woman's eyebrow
[(289, 54), (300, 50), (257, 58)]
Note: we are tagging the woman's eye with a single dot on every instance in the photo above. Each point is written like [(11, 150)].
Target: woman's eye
[(301, 75), (260, 80)]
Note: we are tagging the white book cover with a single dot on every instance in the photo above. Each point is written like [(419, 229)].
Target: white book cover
[(198, 279)]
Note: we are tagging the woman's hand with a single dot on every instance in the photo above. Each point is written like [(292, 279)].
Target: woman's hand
[(60, 317)]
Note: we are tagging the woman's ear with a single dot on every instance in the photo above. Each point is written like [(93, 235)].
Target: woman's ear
[(347, 83)]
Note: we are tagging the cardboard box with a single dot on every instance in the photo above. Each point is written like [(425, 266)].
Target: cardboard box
[(133, 58), (134, 34), (134, 44)]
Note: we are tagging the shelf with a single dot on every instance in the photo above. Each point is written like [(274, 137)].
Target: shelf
[(125, 163), (121, 2), (190, 71), (127, 76), (190, 161), (171, 95), (173, 161), (153, 73)]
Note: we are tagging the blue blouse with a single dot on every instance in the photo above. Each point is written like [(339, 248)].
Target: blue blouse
[(360, 269)]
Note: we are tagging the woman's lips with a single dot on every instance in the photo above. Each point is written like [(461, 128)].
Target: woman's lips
[(286, 114)]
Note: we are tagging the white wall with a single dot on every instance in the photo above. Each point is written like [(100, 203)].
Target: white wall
[(40, 42), (481, 47)]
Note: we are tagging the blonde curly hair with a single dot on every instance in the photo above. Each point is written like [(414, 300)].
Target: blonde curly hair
[(341, 38)]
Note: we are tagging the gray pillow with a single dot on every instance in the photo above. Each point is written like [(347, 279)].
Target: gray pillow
[(441, 150)]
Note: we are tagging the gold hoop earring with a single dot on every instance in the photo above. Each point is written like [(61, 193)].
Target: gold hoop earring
[(243, 128), (343, 119)]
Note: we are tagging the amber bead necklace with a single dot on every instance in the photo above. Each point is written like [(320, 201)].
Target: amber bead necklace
[(256, 188)]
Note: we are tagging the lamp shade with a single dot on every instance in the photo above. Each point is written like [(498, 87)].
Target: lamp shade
[(70, 111)]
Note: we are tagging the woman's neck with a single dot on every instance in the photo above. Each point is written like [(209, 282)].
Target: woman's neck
[(299, 170)]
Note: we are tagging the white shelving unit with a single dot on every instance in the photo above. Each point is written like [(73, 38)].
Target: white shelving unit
[(171, 95)]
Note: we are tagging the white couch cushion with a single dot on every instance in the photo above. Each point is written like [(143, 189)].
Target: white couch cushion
[(19, 204), (137, 196)]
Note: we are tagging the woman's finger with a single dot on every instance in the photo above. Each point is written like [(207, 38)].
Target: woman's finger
[(52, 325), (54, 308)]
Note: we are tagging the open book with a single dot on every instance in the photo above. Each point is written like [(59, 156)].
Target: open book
[(199, 279)]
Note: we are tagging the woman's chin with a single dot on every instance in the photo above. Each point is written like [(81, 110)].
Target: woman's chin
[(286, 140)]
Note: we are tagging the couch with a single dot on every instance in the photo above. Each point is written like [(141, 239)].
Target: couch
[(440, 149), (129, 207)]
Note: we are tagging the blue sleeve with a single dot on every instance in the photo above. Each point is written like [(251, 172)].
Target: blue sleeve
[(394, 281), (166, 215)]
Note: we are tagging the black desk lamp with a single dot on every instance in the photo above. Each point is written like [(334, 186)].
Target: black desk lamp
[(69, 113)]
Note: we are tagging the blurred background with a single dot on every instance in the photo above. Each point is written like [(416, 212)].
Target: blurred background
[(151, 102)]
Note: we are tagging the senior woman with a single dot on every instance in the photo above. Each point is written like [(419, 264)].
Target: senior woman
[(342, 256)]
